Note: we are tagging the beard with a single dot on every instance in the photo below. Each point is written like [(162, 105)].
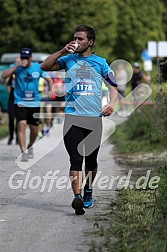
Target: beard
[(84, 50)]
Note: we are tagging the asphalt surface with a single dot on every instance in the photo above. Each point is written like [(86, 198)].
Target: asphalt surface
[(35, 213)]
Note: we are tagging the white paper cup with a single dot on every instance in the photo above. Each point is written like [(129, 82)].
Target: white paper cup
[(24, 62), (73, 50)]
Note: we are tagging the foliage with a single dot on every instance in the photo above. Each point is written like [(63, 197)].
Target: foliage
[(140, 133), (3, 131), (139, 22), (136, 221), (122, 27), (165, 17), (47, 26), (161, 108), (140, 218)]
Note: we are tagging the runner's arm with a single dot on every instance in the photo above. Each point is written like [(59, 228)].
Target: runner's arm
[(109, 107), (7, 73), (5, 80), (111, 84), (51, 64), (50, 83)]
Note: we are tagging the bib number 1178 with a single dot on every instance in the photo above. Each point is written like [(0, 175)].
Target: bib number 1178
[(83, 87)]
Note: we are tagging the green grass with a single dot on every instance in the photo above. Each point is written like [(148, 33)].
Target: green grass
[(143, 215), (137, 220), (140, 133), (3, 131), (154, 87)]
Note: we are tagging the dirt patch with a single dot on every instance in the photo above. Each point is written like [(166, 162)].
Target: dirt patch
[(139, 159)]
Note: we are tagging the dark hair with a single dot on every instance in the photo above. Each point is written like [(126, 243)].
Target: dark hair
[(89, 31)]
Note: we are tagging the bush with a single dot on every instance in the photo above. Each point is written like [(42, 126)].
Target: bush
[(142, 132), (161, 108)]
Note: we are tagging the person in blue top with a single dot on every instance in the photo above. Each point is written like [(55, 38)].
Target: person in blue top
[(83, 112), (26, 98)]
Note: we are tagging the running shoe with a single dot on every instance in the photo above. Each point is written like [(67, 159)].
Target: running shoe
[(10, 141), (24, 157), (87, 198), (78, 204), (30, 152)]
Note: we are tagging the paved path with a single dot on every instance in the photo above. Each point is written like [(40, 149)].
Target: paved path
[(35, 220)]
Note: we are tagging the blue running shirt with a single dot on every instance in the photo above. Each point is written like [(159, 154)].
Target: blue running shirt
[(83, 83), (26, 85)]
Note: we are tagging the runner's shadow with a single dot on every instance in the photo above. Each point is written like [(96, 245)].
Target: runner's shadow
[(27, 203)]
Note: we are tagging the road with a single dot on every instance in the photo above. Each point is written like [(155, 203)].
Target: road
[(35, 212)]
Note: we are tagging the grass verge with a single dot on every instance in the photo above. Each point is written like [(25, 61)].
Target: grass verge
[(3, 131), (137, 219), (140, 133)]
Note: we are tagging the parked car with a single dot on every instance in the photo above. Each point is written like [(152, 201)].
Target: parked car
[(9, 58)]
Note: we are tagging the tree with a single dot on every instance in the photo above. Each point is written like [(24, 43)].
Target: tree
[(48, 25), (139, 22), (102, 15), (165, 17), (123, 27)]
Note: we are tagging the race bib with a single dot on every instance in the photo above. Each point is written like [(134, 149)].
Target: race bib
[(28, 95), (83, 88)]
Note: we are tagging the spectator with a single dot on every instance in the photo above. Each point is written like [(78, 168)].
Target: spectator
[(58, 96), (10, 82), (121, 76), (138, 76), (11, 114), (46, 107)]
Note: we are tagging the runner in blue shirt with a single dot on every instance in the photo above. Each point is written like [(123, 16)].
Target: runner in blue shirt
[(83, 113), (26, 98)]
